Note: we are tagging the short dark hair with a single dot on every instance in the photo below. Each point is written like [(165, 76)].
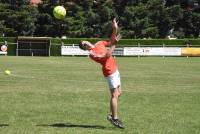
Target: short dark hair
[(81, 45)]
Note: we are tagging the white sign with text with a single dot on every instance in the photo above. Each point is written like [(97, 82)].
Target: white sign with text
[(152, 51)]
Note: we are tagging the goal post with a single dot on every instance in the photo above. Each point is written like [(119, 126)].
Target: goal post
[(33, 46)]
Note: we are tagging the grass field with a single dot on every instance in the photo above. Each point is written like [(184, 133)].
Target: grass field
[(58, 95)]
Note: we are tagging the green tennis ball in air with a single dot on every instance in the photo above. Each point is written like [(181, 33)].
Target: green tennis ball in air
[(7, 72), (59, 12)]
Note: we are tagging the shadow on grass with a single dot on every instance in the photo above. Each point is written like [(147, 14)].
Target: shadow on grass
[(69, 125), (4, 125)]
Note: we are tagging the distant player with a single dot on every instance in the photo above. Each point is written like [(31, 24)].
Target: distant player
[(100, 54)]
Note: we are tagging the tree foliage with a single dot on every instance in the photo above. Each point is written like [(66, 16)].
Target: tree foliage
[(92, 18)]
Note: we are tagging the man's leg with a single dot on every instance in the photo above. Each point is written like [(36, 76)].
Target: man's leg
[(112, 117), (115, 94), (115, 90)]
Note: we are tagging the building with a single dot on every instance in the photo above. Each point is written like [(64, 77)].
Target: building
[(35, 2)]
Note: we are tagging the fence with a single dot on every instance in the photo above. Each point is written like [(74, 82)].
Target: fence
[(180, 47), (140, 50)]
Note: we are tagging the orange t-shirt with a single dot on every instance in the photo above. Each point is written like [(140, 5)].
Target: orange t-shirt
[(109, 65)]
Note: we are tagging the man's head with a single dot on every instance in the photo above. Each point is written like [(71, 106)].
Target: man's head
[(85, 45)]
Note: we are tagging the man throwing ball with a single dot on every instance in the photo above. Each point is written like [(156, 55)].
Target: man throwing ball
[(100, 54)]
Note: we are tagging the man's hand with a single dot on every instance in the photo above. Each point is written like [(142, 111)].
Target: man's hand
[(114, 24), (108, 54), (115, 37), (118, 37)]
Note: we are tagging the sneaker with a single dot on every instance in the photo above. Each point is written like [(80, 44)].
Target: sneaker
[(109, 118), (115, 122), (118, 123)]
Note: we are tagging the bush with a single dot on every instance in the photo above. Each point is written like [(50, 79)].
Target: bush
[(56, 43)]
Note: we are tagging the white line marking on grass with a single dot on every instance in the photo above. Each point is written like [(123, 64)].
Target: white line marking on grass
[(21, 76), (32, 77), (85, 81)]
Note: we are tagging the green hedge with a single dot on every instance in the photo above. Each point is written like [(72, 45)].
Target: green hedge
[(126, 42), (11, 46), (159, 42), (135, 42), (8, 39), (77, 40), (55, 50), (56, 43), (11, 49)]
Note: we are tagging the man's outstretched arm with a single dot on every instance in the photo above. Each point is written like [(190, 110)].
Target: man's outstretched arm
[(115, 37)]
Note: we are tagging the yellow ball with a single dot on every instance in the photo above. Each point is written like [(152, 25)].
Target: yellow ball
[(7, 72), (59, 12)]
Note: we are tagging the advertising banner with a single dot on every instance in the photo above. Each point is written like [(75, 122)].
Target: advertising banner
[(118, 52), (190, 51), (73, 50), (152, 51), (3, 49), (133, 51)]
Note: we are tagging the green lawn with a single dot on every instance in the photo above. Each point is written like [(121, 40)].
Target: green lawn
[(57, 95)]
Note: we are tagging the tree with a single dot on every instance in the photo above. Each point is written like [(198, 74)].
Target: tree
[(92, 18)]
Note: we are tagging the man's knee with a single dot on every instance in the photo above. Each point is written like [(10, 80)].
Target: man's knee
[(116, 93)]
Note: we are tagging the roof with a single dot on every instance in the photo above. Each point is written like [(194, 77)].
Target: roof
[(32, 38), (35, 2)]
